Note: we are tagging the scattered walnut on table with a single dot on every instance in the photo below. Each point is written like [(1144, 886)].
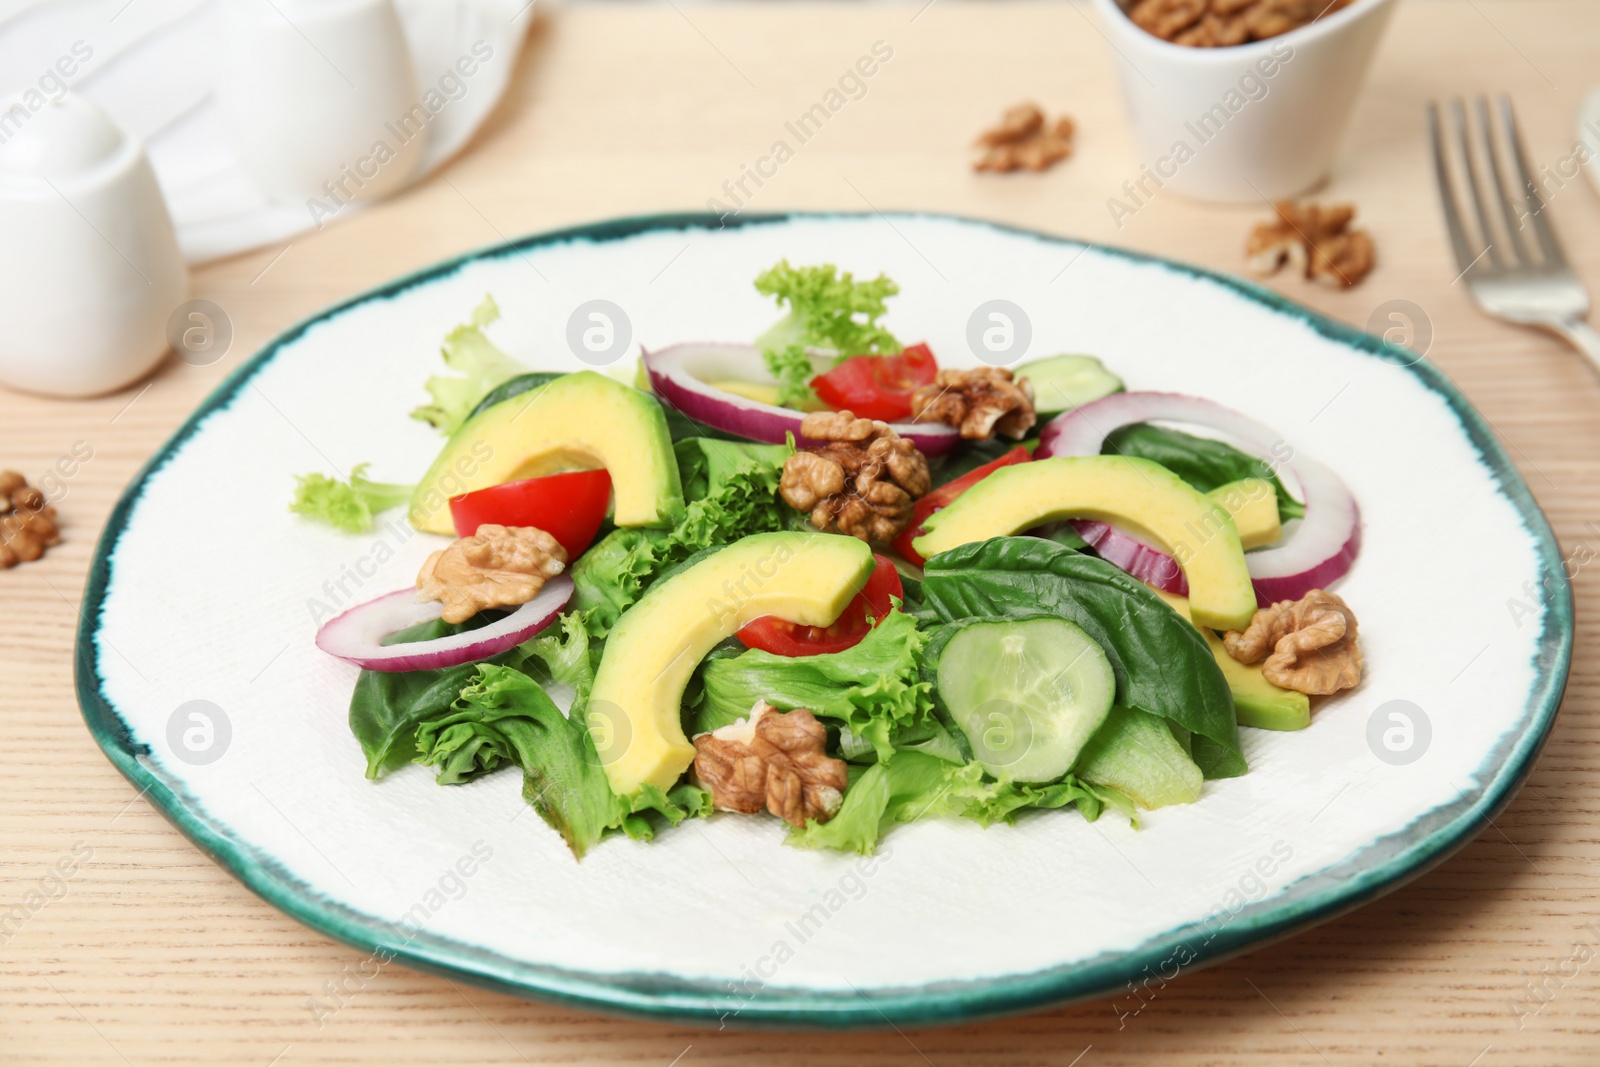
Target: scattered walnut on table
[(1317, 241), (980, 403), (1023, 141), (27, 522), (775, 760), (1309, 645), (497, 567), (861, 482)]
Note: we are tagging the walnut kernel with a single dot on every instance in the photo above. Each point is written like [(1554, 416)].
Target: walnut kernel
[(27, 521), (775, 760), (1223, 23), (497, 567), (1309, 645), (1316, 241), (1023, 141), (980, 403), (862, 481)]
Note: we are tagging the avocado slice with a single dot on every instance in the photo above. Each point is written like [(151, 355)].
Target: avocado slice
[(806, 578), (572, 422), (1253, 503), (1256, 701), (1138, 495)]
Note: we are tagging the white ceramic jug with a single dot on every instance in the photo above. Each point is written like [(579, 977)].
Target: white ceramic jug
[(89, 265)]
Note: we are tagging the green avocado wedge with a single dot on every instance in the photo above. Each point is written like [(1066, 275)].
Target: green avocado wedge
[(1135, 494), (807, 578), (572, 422)]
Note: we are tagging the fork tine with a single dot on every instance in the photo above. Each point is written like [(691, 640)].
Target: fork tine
[(1459, 244), (1553, 256), (1507, 204), (1470, 166)]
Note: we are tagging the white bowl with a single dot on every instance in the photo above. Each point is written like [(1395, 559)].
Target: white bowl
[(1238, 124)]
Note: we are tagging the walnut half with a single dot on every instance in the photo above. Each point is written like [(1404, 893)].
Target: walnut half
[(861, 482), (980, 403), (1316, 241), (497, 567), (774, 760), (27, 522), (1023, 141), (1309, 644)]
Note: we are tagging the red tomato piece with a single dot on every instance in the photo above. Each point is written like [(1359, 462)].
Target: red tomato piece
[(940, 498), (568, 507), (877, 387), (870, 606)]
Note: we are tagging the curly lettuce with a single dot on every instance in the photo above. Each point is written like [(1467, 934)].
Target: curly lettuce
[(874, 689), (732, 491), (504, 717), (479, 367), (914, 785), (346, 505), (827, 309)]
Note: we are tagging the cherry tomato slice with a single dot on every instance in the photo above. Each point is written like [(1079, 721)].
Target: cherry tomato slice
[(877, 387), (784, 638), (941, 497), (569, 507)]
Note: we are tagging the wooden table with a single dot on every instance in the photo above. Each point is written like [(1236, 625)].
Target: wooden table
[(152, 953)]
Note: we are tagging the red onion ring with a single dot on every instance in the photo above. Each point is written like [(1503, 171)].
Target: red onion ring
[(356, 635), (1317, 553), (680, 376)]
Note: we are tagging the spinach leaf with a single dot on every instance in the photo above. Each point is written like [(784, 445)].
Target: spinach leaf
[(387, 706), (1204, 463), (1162, 664)]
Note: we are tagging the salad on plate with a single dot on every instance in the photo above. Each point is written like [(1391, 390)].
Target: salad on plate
[(822, 579)]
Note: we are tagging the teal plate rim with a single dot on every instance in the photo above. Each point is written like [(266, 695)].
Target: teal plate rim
[(1379, 867)]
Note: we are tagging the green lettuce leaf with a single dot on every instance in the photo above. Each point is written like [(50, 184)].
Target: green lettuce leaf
[(875, 689), (1137, 754), (387, 706), (1162, 664), (732, 491), (827, 309), (505, 717), (479, 367), (563, 655), (913, 786), (346, 505)]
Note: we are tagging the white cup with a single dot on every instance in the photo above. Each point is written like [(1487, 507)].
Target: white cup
[(90, 269), (321, 99), (1255, 120)]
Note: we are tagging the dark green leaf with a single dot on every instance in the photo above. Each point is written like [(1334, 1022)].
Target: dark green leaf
[(1161, 662), (1204, 463)]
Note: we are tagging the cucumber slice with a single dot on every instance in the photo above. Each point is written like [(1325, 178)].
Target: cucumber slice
[(1061, 383), (1135, 753), (1028, 695)]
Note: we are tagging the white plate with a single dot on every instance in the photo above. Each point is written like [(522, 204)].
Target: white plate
[(207, 589)]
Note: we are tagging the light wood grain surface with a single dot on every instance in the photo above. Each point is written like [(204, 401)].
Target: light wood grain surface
[(152, 954)]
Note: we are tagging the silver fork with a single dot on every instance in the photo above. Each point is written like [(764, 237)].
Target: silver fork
[(1510, 276)]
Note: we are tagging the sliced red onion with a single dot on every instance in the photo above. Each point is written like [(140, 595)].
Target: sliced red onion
[(356, 635), (681, 376), (1319, 551), (1118, 547)]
